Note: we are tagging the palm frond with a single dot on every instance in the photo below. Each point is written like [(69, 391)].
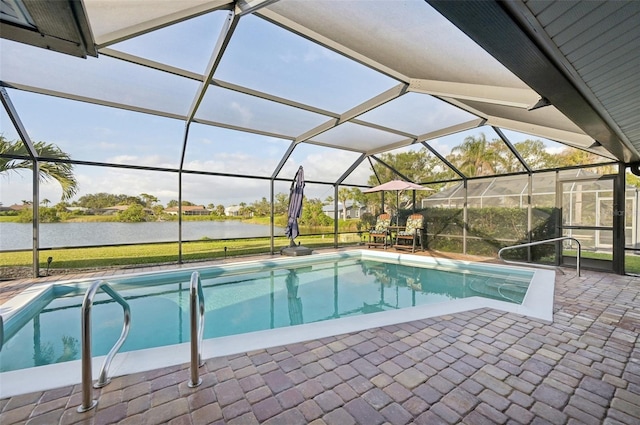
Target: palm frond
[(62, 172)]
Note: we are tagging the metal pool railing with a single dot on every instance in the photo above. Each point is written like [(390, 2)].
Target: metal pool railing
[(524, 245), (87, 375), (196, 301)]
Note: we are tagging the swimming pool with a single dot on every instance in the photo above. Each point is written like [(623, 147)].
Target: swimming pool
[(276, 301)]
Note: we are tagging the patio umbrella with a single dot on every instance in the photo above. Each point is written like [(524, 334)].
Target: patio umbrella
[(397, 186), (295, 205)]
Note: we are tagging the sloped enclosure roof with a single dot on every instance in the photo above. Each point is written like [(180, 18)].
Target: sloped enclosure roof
[(345, 78)]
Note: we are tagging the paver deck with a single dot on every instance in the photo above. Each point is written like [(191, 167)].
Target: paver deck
[(478, 367)]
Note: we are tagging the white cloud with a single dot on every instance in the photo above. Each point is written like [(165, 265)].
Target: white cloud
[(440, 147), (316, 53), (245, 114), (199, 189), (15, 188), (123, 159), (555, 150), (287, 58), (235, 163), (106, 145)]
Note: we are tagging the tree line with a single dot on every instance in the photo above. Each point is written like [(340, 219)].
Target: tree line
[(146, 207), (474, 157)]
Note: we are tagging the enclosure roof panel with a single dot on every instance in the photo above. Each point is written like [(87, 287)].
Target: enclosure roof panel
[(240, 110), (417, 113), (270, 59), (365, 77), (360, 138), (116, 20), (185, 45), (101, 80), (406, 36)]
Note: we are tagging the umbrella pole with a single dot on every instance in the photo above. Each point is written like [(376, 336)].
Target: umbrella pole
[(397, 207)]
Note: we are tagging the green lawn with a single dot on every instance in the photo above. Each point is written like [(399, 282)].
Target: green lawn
[(631, 262), (159, 253), (145, 254)]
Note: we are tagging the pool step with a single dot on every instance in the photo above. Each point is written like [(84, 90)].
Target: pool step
[(509, 289)]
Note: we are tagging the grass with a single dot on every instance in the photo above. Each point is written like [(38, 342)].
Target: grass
[(145, 254), (631, 262), (162, 253)]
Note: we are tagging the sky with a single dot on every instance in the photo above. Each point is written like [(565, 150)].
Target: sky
[(260, 56)]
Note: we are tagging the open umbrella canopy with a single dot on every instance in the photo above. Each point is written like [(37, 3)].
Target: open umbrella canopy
[(396, 185), (295, 205)]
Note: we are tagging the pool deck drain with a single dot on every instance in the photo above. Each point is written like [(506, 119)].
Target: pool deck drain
[(477, 367)]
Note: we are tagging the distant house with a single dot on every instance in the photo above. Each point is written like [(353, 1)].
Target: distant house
[(116, 209), (15, 207), (353, 210), (111, 210), (77, 209), (188, 210), (232, 211)]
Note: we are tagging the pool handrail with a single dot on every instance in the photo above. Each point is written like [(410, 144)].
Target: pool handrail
[(87, 375), (196, 296), (524, 245)]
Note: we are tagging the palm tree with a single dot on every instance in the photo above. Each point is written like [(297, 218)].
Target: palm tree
[(475, 156), (344, 195), (15, 157)]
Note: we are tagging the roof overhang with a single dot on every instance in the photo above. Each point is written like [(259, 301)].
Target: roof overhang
[(510, 33), (60, 25)]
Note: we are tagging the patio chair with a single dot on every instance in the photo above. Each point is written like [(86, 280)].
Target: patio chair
[(411, 233), (379, 234)]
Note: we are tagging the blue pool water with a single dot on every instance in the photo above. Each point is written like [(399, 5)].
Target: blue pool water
[(243, 300)]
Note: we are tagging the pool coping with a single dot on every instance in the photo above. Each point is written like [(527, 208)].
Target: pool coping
[(538, 303)]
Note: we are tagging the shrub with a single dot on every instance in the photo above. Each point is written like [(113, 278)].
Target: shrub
[(489, 229), (46, 214)]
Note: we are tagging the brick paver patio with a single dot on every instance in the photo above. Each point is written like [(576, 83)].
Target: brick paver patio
[(478, 367)]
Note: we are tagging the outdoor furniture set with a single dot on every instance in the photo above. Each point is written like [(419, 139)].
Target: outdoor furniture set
[(399, 237)]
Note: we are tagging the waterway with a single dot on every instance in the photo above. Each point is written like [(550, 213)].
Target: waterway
[(53, 235)]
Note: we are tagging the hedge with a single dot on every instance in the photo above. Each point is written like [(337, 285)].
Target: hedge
[(489, 229)]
